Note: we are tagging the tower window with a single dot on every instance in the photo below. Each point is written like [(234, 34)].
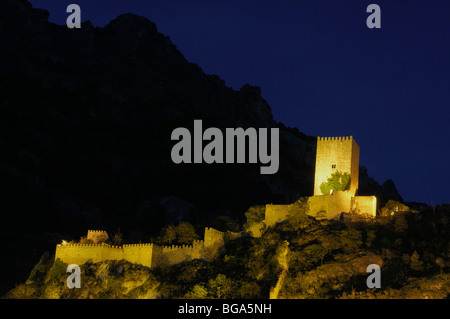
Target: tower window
[(333, 166)]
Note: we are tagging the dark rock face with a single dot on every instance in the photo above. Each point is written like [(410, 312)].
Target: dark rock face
[(86, 117), (383, 192)]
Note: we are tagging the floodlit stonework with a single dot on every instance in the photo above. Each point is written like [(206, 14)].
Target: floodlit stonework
[(333, 154), (149, 255)]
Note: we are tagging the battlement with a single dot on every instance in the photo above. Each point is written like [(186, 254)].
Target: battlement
[(137, 245), (209, 229), (331, 158), (175, 247), (147, 254), (336, 154), (335, 138), (97, 231), (87, 245)]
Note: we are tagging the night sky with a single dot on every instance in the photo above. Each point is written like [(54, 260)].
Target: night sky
[(323, 71)]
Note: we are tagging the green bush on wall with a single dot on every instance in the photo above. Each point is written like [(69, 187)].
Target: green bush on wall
[(338, 181)]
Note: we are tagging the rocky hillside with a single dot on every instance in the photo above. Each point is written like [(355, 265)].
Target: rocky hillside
[(300, 258)]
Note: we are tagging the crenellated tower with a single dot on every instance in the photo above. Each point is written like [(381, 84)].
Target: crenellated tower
[(336, 154)]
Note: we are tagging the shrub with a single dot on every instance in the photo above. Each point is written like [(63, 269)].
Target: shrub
[(254, 214), (338, 181)]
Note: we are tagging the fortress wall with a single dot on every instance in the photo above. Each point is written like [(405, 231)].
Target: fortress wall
[(157, 252), (333, 204), (276, 214), (340, 151), (212, 237), (175, 254), (81, 253), (364, 205), (213, 243), (149, 255), (139, 254), (354, 172), (318, 203)]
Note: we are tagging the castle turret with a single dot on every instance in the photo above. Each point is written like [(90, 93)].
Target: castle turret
[(336, 154)]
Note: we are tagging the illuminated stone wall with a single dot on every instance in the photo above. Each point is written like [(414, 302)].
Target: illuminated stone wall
[(364, 205), (333, 154), (214, 242), (143, 254), (149, 255), (175, 254), (336, 154), (332, 204), (81, 253), (276, 214), (328, 206)]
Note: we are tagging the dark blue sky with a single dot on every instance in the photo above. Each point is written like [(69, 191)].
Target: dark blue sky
[(323, 71)]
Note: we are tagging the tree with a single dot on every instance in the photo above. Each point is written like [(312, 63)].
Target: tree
[(183, 234), (117, 238), (254, 214), (186, 233), (224, 223), (198, 292), (84, 240), (169, 235), (338, 181), (221, 287), (297, 217)]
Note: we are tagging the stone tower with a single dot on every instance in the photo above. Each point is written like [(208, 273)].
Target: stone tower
[(336, 154)]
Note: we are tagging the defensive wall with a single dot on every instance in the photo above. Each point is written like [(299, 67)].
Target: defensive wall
[(149, 255), (329, 206), (276, 213)]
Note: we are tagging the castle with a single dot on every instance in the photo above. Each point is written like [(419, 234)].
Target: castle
[(149, 255), (334, 154)]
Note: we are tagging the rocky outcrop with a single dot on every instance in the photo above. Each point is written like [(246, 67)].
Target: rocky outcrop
[(384, 192)]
